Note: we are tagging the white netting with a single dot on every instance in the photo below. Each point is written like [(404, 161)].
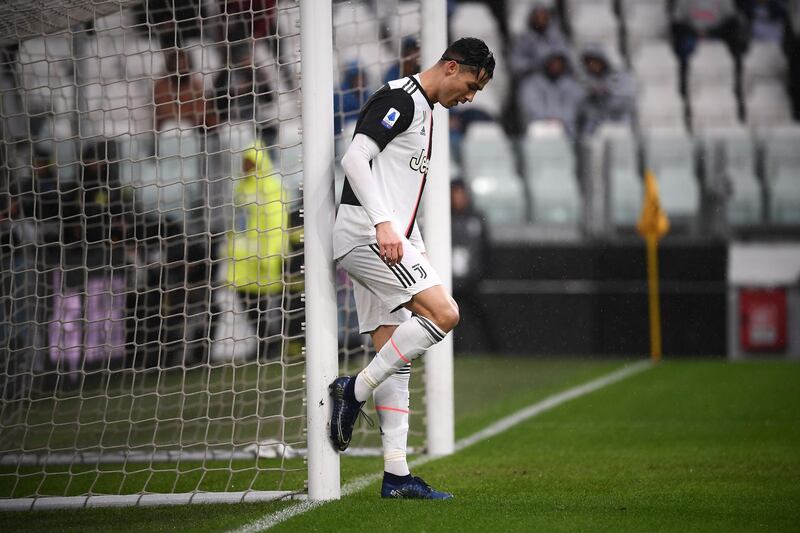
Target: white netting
[(151, 336), (373, 43)]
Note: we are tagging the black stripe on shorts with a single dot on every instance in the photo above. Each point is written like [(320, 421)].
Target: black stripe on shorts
[(397, 274)]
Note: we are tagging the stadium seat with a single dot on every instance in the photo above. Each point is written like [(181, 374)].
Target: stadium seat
[(767, 104), (356, 37), (711, 65), (612, 179), (490, 170), (713, 108), (660, 107), (549, 163), (170, 183), (670, 155), (644, 22), (594, 24), (654, 63), (485, 150), (46, 74), (500, 198), (621, 168), (727, 156), (781, 156), (765, 61)]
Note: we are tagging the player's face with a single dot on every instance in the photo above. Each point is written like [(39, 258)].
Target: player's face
[(462, 86)]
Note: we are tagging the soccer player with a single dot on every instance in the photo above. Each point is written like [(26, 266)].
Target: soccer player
[(400, 299)]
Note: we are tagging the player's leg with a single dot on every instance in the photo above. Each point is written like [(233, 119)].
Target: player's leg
[(392, 405), (381, 292)]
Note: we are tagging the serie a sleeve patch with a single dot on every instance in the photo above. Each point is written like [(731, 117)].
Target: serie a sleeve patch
[(390, 118)]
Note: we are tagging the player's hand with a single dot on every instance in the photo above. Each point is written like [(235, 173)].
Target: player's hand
[(389, 242)]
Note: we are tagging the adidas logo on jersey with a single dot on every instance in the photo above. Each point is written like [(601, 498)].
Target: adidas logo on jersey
[(422, 131), (419, 162)]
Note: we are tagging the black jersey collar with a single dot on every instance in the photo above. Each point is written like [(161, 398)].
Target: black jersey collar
[(414, 79)]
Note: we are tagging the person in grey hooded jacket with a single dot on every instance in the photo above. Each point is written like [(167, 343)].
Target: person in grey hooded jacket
[(552, 94), (610, 92), (542, 32)]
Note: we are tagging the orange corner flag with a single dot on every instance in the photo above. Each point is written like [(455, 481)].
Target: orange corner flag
[(653, 225), (653, 221)]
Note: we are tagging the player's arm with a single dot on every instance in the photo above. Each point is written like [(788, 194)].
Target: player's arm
[(356, 164), (387, 114)]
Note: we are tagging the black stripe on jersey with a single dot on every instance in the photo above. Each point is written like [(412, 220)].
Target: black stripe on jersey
[(414, 80), (403, 370), (398, 275), (424, 179), (410, 87), (435, 332)]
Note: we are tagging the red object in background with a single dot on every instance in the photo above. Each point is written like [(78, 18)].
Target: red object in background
[(762, 314)]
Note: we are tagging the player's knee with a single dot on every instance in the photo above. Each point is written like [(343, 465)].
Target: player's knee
[(447, 318)]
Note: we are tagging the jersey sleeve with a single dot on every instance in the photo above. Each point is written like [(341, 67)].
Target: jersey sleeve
[(386, 115)]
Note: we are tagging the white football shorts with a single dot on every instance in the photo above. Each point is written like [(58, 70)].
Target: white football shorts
[(381, 291)]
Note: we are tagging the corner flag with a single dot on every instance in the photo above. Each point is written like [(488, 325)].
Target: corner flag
[(653, 225), (653, 222)]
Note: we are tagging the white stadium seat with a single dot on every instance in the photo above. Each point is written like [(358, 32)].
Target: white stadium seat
[(711, 65), (729, 164), (713, 108), (767, 104), (781, 149), (765, 61), (594, 24), (645, 22), (549, 162), (490, 171), (660, 107), (670, 155), (655, 64)]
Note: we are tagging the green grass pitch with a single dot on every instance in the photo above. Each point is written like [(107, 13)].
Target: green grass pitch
[(684, 446)]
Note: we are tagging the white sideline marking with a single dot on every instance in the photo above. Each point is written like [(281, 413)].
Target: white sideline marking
[(498, 427)]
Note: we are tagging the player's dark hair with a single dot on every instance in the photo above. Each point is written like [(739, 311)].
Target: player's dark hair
[(472, 53)]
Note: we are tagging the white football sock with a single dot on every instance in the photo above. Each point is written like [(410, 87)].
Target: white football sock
[(392, 404), (409, 341)]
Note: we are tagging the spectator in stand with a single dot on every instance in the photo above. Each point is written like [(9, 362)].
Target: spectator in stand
[(552, 94), (409, 61), (609, 95), (766, 19), (243, 91), (350, 97), (542, 33), (257, 246), (470, 259), (693, 20), (179, 95)]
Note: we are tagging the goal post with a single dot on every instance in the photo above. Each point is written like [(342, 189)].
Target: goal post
[(322, 365), (170, 314)]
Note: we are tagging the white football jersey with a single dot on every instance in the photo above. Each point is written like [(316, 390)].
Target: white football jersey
[(399, 118)]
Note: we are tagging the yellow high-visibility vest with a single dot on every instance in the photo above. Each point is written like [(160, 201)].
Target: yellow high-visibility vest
[(258, 241)]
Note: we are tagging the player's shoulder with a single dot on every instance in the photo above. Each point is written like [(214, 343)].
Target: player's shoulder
[(394, 92)]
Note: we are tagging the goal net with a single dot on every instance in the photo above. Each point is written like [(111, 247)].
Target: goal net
[(151, 246)]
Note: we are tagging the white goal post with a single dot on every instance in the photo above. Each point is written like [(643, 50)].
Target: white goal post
[(141, 362)]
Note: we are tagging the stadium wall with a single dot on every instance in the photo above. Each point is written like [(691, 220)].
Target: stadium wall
[(591, 299)]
